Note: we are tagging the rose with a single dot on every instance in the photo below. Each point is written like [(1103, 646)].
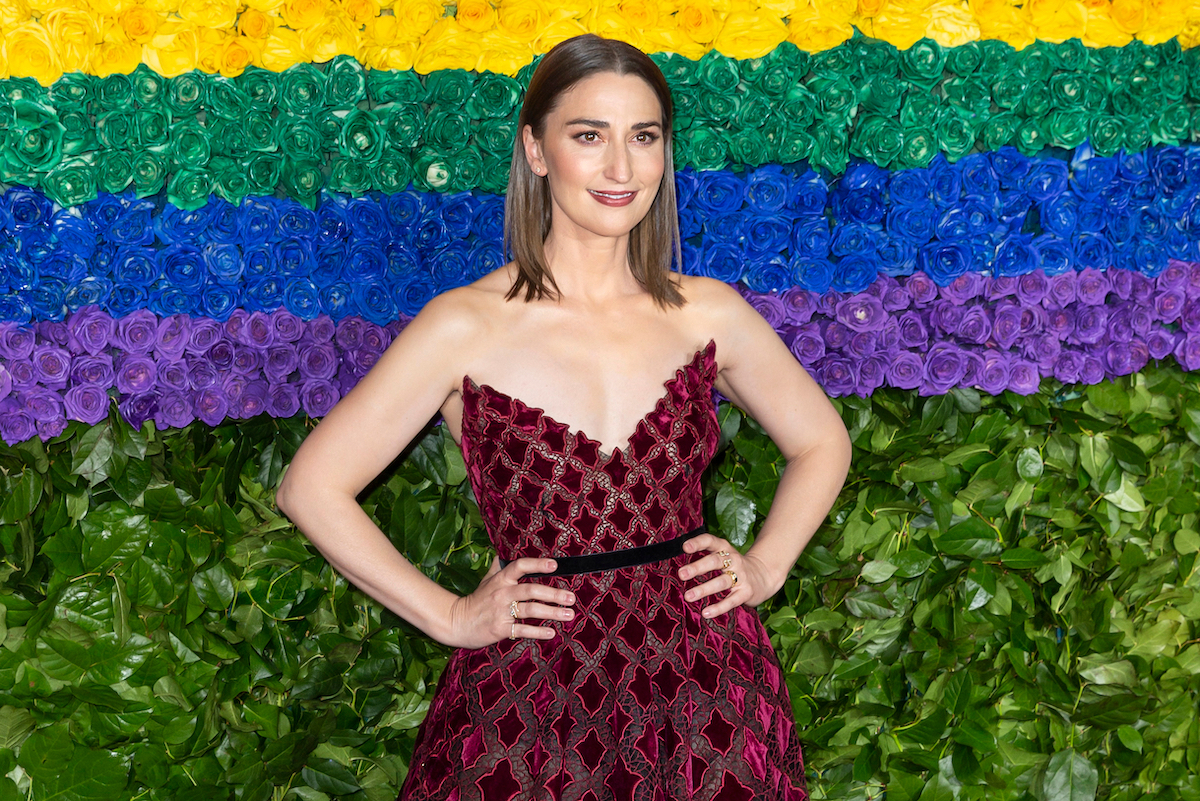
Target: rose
[(905, 370), (837, 375), (768, 273), (136, 374), (1092, 286), (90, 330), (799, 304), (852, 274), (1023, 377), (33, 139), (964, 288), (861, 313), (174, 375), (211, 405), (51, 366), (719, 192), (1032, 288), (1123, 358), (247, 360), (172, 337), (318, 397), (1091, 324), (945, 261), (1169, 305), (137, 409), (805, 342)]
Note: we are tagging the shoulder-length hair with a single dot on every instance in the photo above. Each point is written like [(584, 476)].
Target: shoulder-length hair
[(653, 242)]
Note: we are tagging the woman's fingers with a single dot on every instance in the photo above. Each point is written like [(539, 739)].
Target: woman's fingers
[(530, 564), (533, 609)]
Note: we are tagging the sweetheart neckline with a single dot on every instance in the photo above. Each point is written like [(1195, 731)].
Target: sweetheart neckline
[(578, 433)]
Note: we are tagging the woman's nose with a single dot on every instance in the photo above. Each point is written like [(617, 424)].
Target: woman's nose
[(620, 168)]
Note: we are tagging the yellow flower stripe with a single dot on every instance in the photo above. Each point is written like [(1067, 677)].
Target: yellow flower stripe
[(42, 39)]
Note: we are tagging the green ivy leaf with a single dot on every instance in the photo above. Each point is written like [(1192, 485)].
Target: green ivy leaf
[(735, 514), (1130, 737), (1127, 496), (1070, 777), (926, 468), (15, 725), (1029, 464), (329, 777), (877, 571), (113, 534)]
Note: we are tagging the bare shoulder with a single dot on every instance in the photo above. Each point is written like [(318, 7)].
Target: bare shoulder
[(719, 309), (463, 315)]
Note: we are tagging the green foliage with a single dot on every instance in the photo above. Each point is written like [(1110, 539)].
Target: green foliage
[(1002, 604)]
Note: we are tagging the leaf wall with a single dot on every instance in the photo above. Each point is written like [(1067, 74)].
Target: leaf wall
[(1002, 604)]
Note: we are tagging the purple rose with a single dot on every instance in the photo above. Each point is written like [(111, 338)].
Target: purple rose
[(1174, 276), (1142, 320), (282, 400), (136, 375), (51, 366), (799, 304), (905, 370), (769, 306), (259, 331), (49, 429), (1002, 287), (896, 299), (1092, 287), (318, 361), (1092, 371), (361, 360), (174, 375), (320, 329), (1120, 327), (86, 402), (837, 375), (96, 370), (921, 288), (201, 373), (211, 405), (946, 317), (221, 354), (1042, 349), (1123, 358), (137, 409), (90, 330), (1060, 322), (1190, 319), (1062, 290), (281, 362), (318, 396), (1187, 353), (137, 332), (944, 369), (376, 339), (16, 425), (1068, 366), (1160, 344), (247, 361), (889, 335), (6, 382), (861, 313), (993, 377), (872, 372), (1033, 320), (1023, 377), (1032, 288), (1121, 282), (43, 404), (1006, 326), (53, 332), (16, 342), (174, 411), (974, 368), (975, 326), (1193, 282), (912, 330), (235, 323), (827, 303), (862, 344), (172, 337), (22, 375), (288, 327), (805, 342), (965, 287), (253, 400), (1091, 324), (349, 333), (203, 335), (1168, 305), (346, 379)]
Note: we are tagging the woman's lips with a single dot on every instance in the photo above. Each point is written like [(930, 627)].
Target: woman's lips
[(613, 198)]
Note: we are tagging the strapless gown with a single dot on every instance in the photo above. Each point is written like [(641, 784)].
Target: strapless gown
[(638, 696)]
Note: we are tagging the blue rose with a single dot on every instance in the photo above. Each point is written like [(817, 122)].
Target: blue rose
[(954, 222), (449, 265), (136, 265), (402, 261), (223, 262), (725, 227), (296, 221), (913, 223), (182, 265), (895, 256), (810, 238), (1121, 227), (1168, 166), (909, 187), (768, 189), (293, 257), (859, 206), (168, 300), (1093, 250), (431, 233), (258, 221), (457, 212), (257, 261), (90, 291), (945, 261), (218, 302), (1133, 166), (854, 239), (367, 220), (815, 275), (14, 308), (691, 259), (174, 224), (403, 210), (1011, 166), (488, 223), (1118, 195), (1179, 246), (264, 294), (685, 187), (945, 183), (126, 298), (1047, 178), (1015, 256), (768, 273), (1090, 217), (16, 272), (1092, 176), (722, 261), (74, 234), (24, 208), (1149, 258), (1151, 223), (485, 257), (1059, 215), (412, 295), (810, 195), (48, 299), (366, 263), (302, 298), (70, 267), (689, 223), (374, 303), (1136, 194), (223, 221), (1054, 255), (977, 175), (331, 222), (329, 263), (718, 192), (765, 234), (336, 300), (853, 274)]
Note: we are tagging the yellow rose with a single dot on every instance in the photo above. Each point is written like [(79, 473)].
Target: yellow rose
[(557, 30), (1102, 32), (74, 34), (952, 24), (447, 46), (811, 32), (382, 48), (301, 14), (475, 15), (30, 54), (113, 57), (416, 17), (265, 6), (499, 51), (173, 50), (1128, 15), (1166, 19), (611, 25), (361, 11), (673, 40), (281, 50), (697, 20), (255, 24), (220, 14), (1190, 37), (522, 18), (210, 43), (870, 8), (239, 53), (13, 12), (138, 23), (900, 27), (336, 36), (999, 20), (750, 33), (839, 11), (640, 14)]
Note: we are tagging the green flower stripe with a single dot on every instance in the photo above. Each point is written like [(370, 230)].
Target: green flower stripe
[(344, 128)]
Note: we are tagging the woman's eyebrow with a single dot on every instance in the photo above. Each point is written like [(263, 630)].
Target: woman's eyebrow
[(602, 124)]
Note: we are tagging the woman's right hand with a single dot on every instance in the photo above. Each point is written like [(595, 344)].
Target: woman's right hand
[(485, 616)]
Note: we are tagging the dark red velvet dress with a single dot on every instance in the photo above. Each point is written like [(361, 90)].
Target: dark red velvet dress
[(639, 696)]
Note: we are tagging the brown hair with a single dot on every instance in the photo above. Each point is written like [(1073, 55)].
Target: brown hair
[(653, 242)]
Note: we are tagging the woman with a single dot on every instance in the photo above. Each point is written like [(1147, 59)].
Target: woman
[(640, 670)]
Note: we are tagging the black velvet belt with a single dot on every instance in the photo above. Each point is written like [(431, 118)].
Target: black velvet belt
[(611, 560)]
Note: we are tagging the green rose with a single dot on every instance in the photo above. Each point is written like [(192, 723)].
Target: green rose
[(920, 111), (837, 62), (964, 59), (877, 139), (920, 146), (999, 130), (449, 88), (1173, 81), (189, 189), (432, 172), (719, 108), (345, 83), (404, 125), (955, 133), (774, 73), (73, 90), (78, 134), (997, 58), (875, 57), (226, 99), (114, 170), (149, 88), (303, 179), (329, 125), (1069, 90), (33, 138), (883, 95), (494, 96), (1037, 62), (302, 90), (923, 63), (791, 143), (260, 131), (1073, 55), (229, 179), (717, 73), (1030, 137), (687, 104), (189, 145), (493, 176), (447, 130), (1124, 104), (970, 94), (496, 136), (1106, 134), (799, 106), (115, 129), (1067, 128), (678, 71), (830, 147), (1172, 125), (752, 111), (71, 183), (149, 173), (301, 140), (1037, 101), (114, 92), (748, 146), (836, 98), (26, 89), (703, 149), (1196, 122), (468, 170), (152, 127), (264, 172), (350, 175), (186, 93), (387, 86), (228, 138), (261, 88), (1009, 91), (362, 136), (391, 174)]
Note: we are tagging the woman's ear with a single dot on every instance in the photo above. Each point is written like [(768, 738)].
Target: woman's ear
[(533, 151)]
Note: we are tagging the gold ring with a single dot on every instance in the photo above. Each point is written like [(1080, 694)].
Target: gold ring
[(727, 562), (512, 609), (733, 576), (512, 632)]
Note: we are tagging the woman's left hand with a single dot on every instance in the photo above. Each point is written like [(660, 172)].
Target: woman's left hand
[(755, 581)]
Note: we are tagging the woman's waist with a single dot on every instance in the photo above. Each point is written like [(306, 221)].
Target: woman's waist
[(575, 556)]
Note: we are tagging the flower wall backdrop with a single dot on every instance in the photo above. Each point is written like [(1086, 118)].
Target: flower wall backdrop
[(977, 225)]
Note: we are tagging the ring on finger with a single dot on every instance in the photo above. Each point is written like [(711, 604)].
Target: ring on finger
[(727, 561), (512, 609), (512, 632), (732, 577)]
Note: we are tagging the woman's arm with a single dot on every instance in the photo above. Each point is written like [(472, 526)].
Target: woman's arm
[(760, 375), (360, 437)]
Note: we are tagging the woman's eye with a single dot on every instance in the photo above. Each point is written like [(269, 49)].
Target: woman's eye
[(646, 137), (588, 136)]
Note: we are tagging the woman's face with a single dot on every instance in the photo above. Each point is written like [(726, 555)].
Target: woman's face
[(603, 154)]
